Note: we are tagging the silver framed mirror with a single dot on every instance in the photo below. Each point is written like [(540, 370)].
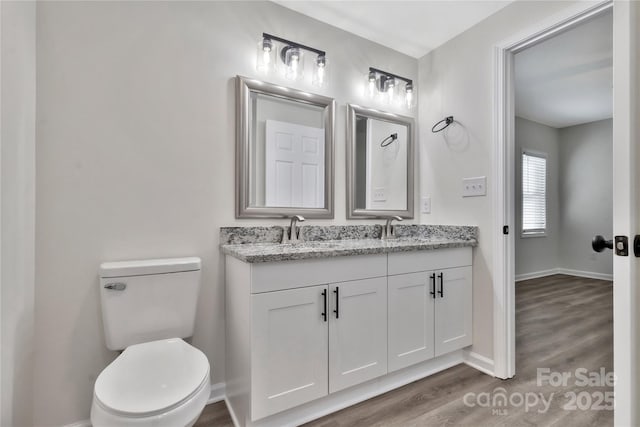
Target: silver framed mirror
[(380, 157), (284, 151)]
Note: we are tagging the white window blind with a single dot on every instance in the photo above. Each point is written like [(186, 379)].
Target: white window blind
[(534, 193)]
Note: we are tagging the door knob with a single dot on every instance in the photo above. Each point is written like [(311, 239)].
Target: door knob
[(599, 243)]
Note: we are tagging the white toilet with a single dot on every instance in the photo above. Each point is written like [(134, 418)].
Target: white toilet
[(159, 380)]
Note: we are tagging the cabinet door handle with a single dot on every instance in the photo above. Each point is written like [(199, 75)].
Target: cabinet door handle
[(324, 297), (441, 291), (432, 291), (337, 310)]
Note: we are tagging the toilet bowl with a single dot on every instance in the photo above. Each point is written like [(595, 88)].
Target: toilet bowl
[(158, 380), (161, 383)]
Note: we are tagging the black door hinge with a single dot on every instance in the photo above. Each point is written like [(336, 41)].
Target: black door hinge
[(636, 246), (505, 229)]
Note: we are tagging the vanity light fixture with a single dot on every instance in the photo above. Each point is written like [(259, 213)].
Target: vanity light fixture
[(389, 88), (293, 59)]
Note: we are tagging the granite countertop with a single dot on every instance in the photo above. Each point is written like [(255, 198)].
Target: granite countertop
[(260, 244)]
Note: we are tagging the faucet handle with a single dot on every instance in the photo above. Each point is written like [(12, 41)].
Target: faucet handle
[(285, 236)]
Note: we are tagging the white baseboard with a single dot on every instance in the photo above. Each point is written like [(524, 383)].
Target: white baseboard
[(567, 271), (217, 393), (479, 362), (232, 413), (83, 423), (537, 274), (587, 274)]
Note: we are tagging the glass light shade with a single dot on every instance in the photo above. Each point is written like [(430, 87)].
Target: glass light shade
[(409, 96), (390, 95), (294, 63), (320, 71), (266, 56), (370, 85)]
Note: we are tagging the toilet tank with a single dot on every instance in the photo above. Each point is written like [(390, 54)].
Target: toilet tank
[(148, 300)]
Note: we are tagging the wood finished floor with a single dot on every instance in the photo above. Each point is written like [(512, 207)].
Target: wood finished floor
[(562, 323)]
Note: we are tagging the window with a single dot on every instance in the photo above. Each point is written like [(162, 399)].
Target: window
[(534, 193)]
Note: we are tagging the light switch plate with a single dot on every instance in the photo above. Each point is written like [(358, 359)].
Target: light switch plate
[(472, 187), (379, 195), (425, 205)]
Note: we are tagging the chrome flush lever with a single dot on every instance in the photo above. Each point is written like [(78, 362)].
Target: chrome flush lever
[(119, 286)]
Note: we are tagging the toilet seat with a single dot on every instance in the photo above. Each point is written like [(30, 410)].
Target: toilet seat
[(152, 378)]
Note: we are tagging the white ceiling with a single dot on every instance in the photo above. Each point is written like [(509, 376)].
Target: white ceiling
[(410, 27), (568, 80)]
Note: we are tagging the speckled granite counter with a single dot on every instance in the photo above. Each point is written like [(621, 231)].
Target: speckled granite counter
[(261, 244)]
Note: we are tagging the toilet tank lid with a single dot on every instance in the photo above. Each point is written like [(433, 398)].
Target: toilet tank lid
[(149, 266)]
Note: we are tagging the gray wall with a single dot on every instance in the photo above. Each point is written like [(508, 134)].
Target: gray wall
[(586, 192), (135, 148), (540, 253), (579, 203), (135, 154), (457, 79), (18, 24)]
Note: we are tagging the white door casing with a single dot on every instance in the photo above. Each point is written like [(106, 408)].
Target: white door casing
[(626, 333), (626, 159), (294, 165)]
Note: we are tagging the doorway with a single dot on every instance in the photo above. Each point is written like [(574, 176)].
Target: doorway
[(563, 197), (624, 221)]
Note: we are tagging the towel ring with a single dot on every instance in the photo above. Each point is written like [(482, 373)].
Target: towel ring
[(388, 140), (447, 121)]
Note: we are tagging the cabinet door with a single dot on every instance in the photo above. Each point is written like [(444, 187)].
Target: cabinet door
[(453, 310), (411, 327), (357, 332), (290, 345)]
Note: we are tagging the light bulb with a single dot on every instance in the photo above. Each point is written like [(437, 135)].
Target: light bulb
[(264, 61), (409, 95), (371, 84), (320, 73), (390, 86), (293, 61)]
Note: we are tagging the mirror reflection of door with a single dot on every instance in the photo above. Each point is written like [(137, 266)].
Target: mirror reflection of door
[(288, 153), (294, 165)]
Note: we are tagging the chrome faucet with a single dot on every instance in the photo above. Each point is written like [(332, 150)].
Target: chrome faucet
[(388, 232), (294, 232)]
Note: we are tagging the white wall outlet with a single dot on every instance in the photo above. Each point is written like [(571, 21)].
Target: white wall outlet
[(425, 205), (472, 187), (379, 195)]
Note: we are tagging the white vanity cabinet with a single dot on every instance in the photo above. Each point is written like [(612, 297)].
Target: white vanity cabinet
[(306, 330), (453, 323), (430, 305), (311, 341), (357, 332), (298, 330), (288, 349)]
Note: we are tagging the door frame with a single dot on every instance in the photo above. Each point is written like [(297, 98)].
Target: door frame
[(625, 332)]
